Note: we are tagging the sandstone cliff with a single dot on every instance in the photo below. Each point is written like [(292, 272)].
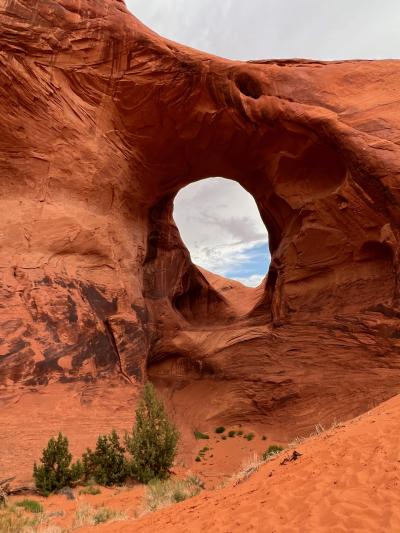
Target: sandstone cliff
[(102, 123)]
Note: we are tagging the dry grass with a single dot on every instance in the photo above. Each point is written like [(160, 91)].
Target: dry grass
[(14, 520), (160, 494), (87, 515), (248, 468), (318, 430), (53, 529)]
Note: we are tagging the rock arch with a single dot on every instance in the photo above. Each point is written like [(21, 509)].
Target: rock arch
[(109, 121)]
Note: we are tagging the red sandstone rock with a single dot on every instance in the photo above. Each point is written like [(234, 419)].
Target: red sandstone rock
[(102, 123)]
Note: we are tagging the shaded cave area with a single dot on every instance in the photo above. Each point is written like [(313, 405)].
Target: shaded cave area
[(323, 264)]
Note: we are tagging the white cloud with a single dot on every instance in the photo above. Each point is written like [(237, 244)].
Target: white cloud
[(251, 281), (222, 228), (218, 222), (278, 28)]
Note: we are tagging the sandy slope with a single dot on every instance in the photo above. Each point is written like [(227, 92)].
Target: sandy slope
[(347, 480)]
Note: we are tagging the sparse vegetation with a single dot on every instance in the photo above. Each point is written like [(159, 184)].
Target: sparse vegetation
[(104, 514), (198, 435), (240, 433), (249, 467), (274, 449), (92, 490), (231, 433), (249, 436), (86, 515), (198, 459), (56, 470), (264, 437), (203, 451), (224, 437), (83, 516), (13, 520), (31, 506), (153, 441), (152, 445), (219, 429), (107, 464), (163, 493)]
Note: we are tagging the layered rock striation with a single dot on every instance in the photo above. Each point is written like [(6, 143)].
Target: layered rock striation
[(102, 123)]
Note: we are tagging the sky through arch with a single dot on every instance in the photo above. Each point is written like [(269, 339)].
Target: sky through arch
[(220, 224)]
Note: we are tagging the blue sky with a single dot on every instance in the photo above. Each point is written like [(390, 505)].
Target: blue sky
[(252, 269), (218, 220), (222, 228)]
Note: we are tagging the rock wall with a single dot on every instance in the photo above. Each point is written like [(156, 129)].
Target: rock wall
[(103, 122)]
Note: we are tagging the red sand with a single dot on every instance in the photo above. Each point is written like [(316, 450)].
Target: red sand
[(347, 479)]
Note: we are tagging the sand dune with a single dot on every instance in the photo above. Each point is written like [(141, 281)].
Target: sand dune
[(347, 480)]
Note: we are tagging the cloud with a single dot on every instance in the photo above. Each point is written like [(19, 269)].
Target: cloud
[(250, 281), (218, 220), (236, 29), (222, 228)]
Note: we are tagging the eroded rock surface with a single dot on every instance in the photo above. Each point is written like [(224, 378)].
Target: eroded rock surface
[(102, 123)]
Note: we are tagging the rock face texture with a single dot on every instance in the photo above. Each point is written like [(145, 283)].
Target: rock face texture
[(102, 123)]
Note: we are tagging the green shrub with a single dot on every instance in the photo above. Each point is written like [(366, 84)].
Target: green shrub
[(153, 441), (31, 506), (249, 436), (198, 435), (56, 470), (198, 459), (107, 464), (231, 434), (240, 433), (274, 449), (93, 491), (219, 429)]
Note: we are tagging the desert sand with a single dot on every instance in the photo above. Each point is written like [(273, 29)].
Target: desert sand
[(347, 479), (102, 123)]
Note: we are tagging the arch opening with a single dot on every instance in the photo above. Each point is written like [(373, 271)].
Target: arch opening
[(221, 226)]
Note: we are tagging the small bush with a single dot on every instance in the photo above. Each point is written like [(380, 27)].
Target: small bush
[(31, 506), (162, 493), (93, 491), (153, 441), (179, 496), (264, 437), (198, 435), (107, 464), (104, 514), (224, 437), (219, 429), (198, 459), (231, 434), (249, 436), (240, 433), (56, 470), (204, 450), (274, 449)]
